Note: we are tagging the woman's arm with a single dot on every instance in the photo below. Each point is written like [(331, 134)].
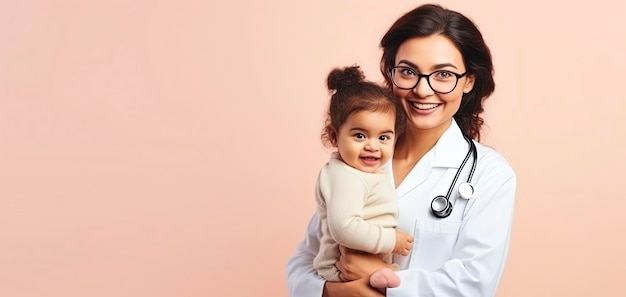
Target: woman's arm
[(303, 280), (354, 264), (357, 288)]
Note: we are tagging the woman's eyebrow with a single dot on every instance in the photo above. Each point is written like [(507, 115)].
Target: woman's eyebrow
[(444, 65), (435, 67), (408, 63)]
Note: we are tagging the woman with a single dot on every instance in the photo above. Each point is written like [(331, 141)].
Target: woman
[(440, 69)]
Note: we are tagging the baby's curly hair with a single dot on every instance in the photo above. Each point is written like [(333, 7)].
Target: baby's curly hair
[(352, 93)]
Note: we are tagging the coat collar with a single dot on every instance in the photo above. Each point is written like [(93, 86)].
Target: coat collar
[(451, 148), (449, 151)]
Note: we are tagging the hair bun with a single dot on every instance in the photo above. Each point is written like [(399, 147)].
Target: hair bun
[(340, 78)]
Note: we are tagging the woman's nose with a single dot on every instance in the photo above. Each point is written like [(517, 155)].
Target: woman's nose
[(423, 89)]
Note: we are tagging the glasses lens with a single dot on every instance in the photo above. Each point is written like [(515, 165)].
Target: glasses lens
[(440, 81), (404, 78), (443, 81)]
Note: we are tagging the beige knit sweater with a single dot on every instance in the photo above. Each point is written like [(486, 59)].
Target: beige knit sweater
[(357, 210)]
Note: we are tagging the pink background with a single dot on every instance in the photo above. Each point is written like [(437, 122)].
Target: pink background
[(170, 148)]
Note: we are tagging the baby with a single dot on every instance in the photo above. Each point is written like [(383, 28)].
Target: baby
[(356, 199)]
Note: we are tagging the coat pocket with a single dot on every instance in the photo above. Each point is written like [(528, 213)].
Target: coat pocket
[(433, 245)]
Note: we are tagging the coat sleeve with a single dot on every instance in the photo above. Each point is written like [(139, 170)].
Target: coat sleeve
[(478, 258), (302, 279)]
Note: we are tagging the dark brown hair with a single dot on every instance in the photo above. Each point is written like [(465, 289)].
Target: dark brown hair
[(432, 19), (353, 94)]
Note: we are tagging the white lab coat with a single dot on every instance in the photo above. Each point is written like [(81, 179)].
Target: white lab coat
[(461, 255)]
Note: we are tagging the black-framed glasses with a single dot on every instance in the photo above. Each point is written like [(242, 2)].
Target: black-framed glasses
[(440, 81)]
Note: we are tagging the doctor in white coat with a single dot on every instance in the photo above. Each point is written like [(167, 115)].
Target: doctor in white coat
[(440, 69)]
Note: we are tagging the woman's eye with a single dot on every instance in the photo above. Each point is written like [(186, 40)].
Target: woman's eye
[(407, 72), (444, 74)]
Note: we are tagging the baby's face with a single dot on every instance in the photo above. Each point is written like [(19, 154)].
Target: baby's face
[(366, 140)]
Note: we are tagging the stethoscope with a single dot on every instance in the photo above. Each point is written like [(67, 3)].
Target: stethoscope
[(441, 205)]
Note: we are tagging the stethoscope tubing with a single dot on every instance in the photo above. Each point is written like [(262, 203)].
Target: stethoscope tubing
[(473, 152)]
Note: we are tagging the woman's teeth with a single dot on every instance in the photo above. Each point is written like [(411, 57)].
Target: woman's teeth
[(425, 106)]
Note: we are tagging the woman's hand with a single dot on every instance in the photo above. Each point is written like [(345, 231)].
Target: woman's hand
[(357, 288), (355, 265)]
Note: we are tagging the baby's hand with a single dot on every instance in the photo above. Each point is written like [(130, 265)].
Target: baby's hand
[(404, 243)]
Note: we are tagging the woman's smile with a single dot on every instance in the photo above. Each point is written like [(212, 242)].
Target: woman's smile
[(425, 108)]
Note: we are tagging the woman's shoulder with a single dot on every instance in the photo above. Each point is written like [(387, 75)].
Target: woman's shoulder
[(492, 161)]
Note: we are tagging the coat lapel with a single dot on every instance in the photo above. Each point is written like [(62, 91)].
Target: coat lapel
[(448, 152)]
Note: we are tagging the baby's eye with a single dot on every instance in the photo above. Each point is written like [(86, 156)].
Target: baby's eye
[(384, 137), (359, 136)]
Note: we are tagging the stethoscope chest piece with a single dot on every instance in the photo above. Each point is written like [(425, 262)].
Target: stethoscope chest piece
[(441, 206), (466, 191)]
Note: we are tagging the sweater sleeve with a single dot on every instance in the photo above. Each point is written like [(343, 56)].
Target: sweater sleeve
[(345, 193)]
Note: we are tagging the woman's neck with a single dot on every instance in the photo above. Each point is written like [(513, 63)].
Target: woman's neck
[(415, 143)]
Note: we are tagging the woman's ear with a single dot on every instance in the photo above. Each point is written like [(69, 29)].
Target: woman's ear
[(469, 84)]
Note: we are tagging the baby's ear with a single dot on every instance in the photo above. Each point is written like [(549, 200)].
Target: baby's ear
[(332, 136), (469, 84)]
